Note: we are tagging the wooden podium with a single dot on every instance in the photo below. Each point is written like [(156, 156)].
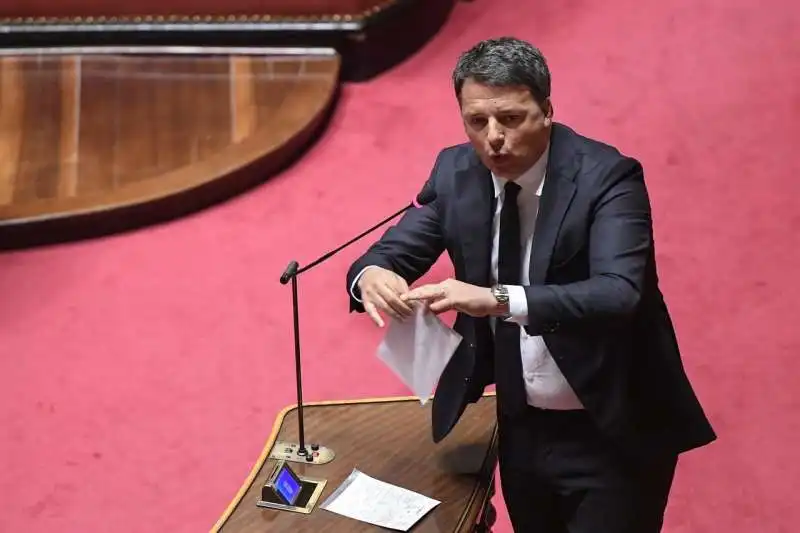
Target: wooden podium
[(388, 439)]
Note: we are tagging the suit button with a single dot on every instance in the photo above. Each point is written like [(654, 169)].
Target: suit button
[(467, 380), (472, 345)]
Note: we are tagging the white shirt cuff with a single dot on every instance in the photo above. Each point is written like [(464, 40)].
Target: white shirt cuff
[(355, 283), (517, 304)]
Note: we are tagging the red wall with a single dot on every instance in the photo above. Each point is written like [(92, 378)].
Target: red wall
[(121, 8)]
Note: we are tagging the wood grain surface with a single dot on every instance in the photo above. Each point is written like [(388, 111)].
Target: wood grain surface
[(99, 132), (391, 441)]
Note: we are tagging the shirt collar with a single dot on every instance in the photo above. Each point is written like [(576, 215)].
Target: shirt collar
[(531, 179)]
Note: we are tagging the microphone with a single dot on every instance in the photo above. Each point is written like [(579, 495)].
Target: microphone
[(297, 452)]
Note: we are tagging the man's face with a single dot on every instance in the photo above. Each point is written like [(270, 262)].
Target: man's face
[(505, 125)]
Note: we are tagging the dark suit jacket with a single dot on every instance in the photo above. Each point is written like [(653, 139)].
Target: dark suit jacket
[(593, 294)]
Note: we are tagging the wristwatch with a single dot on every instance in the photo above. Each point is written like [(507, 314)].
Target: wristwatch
[(500, 293)]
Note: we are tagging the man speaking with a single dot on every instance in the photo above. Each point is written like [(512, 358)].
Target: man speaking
[(556, 289)]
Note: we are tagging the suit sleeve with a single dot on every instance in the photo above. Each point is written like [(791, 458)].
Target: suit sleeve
[(620, 241), (409, 248)]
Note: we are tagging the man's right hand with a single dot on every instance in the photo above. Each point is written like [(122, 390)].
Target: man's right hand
[(380, 292)]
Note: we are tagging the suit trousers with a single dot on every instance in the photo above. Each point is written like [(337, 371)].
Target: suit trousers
[(559, 474)]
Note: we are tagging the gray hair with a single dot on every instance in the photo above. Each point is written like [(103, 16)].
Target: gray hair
[(504, 62)]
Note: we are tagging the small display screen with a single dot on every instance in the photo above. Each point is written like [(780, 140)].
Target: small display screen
[(287, 485)]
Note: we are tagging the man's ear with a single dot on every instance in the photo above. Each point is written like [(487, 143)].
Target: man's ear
[(548, 112)]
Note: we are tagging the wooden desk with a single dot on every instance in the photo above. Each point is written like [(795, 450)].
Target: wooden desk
[(389, 439)]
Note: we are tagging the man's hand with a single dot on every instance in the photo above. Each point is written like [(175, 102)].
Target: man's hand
[(453, 294), (380, 291)]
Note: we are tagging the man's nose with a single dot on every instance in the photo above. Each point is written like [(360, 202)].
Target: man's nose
[(496, 136)]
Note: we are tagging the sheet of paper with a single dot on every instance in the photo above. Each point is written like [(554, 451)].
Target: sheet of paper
[(376, 502), (418, 349)]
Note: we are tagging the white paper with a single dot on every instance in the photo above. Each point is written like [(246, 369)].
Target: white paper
[(370, 500), (418, 349)]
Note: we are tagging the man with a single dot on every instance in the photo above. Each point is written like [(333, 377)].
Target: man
[(550, 235)]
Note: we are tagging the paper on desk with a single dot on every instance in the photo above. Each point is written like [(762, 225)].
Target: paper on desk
[(418, 349), (370, 500)]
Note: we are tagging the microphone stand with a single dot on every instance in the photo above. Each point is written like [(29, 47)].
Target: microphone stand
[(297, 452)]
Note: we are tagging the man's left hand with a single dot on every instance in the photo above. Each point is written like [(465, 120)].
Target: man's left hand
[(453, 294)]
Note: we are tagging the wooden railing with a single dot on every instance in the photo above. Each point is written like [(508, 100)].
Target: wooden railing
[(369, 35), (68, 9)]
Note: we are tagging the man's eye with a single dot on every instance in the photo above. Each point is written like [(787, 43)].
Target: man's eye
[(511, 119)]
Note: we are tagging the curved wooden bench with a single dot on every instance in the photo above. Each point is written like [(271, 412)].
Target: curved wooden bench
[(97, 141)]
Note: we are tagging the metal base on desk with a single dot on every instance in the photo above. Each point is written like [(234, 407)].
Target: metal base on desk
[(290, 451)]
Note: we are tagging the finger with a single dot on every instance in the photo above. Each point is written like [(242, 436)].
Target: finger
[(372, 311), (382, 304), (440, 306), (425, 292), (394, 301), (398, 285)]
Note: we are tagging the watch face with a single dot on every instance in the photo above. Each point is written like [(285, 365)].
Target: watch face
[(501, 294)]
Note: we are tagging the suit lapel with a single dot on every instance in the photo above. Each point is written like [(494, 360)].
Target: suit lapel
[(475, 203), (557, 194)]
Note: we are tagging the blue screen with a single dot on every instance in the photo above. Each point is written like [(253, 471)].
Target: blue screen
[(287, 486)]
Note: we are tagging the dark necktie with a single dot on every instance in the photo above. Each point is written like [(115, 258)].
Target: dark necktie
[(508, 364)]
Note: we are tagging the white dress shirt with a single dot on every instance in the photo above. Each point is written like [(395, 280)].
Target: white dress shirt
[(545, 385)]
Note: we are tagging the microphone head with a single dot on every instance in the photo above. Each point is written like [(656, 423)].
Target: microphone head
[(426, 195), (290, 272)]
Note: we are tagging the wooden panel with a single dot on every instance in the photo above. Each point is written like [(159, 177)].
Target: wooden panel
[(12, 105), (36, 165), (69, 141), (388, 440), (101, 132), (98, 81), (84, 8)]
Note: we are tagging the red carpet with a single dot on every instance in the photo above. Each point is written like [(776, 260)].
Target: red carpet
[(141, 374)]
